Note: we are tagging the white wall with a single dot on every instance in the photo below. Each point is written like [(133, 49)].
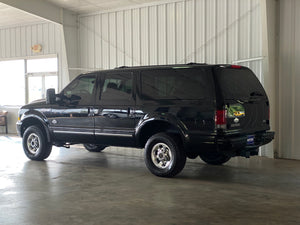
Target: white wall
[(289, 80), (211, 31), (16, 42)]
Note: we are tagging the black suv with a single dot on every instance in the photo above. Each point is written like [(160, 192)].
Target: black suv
[(173, 111)]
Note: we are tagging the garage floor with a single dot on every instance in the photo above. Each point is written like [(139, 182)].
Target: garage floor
[(74, 186)]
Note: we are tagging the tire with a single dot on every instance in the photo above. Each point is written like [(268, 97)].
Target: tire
[(35, 144), (214, 157), (164, 157), (94, 148)]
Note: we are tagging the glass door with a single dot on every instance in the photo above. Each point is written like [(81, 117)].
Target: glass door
[(41, 74)]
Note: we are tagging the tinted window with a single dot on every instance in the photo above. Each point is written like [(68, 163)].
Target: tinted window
[(238, 83), (180, 83), (80, 91), (117, 87)]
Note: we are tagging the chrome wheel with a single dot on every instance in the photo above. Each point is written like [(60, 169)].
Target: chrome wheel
[(161, 156), (33, 143), (164, 155)]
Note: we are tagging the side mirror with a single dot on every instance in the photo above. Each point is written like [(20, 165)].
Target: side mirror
[(50, 96)]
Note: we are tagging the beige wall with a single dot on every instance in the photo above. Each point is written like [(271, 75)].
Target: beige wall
[(289, 80)]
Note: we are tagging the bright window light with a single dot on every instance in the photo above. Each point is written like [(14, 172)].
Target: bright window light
[(42, 65), (35, 88), (12, 85), (51, 82)]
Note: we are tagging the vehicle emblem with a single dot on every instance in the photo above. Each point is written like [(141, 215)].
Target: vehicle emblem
[(236, 120), (54, 121), (239, 113)]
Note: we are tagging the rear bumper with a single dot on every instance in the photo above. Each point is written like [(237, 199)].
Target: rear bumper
[(244, 145), (243, 141)]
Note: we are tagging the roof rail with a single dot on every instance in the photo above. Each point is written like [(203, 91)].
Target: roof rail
[(193, 63), (121, 67)]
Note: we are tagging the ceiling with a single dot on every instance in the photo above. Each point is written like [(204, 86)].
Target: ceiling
[(89, 6), (10, 16)]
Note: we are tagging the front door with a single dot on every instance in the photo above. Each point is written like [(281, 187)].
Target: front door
[(72, 117), (114, 109)]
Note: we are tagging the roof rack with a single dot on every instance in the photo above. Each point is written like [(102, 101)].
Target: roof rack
[(193, 63), (121, 67)]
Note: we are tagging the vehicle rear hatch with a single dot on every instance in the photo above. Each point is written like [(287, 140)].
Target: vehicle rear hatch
[(243, 100)]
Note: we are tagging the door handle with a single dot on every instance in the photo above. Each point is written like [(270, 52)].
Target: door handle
[(92, 111), (130, 112)]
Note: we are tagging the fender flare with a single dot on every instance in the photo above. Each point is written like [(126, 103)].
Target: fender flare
[(37, 116), (167, 118)]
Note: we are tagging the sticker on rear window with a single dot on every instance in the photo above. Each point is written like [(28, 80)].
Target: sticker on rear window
[(235, 110)]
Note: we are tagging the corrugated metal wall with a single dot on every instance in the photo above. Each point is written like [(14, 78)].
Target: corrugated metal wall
[(289, 79), (16, 42), (211, 31)]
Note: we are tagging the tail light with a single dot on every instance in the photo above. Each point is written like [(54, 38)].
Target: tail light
[(236, 66), (221, 119)]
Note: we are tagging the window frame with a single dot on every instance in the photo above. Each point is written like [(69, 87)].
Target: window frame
[(101, 80), (25, 75), (43, 76), (144, 97), (39, 74), (95, 91)]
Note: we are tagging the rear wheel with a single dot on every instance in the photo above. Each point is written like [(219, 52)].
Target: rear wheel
[(94, 148), (214, 157), (164, 157), (35, 144)]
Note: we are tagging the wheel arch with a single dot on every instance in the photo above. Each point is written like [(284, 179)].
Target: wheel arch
[(153, 126), (35, 121)]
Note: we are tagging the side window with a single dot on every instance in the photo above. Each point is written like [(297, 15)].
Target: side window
[(179, 83), (81, 90), (117, 87)]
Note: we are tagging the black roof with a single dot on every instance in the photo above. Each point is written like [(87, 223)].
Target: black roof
[(124, 68), (188, 65)]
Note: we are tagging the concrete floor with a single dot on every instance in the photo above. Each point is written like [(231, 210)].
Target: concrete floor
[(74, 186)]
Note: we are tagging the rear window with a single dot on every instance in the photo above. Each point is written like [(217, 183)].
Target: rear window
[(177, 83), (238, 83)]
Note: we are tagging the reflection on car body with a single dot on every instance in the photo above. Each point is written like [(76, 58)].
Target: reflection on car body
[(173, 111)]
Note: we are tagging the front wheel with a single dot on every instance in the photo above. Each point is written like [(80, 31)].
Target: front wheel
[(35, 144), (214, 157), (94, 148), (164, 157)]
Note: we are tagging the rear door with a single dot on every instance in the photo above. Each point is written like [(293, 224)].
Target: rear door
[(244, 99), (115, 109), (186, 94)]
